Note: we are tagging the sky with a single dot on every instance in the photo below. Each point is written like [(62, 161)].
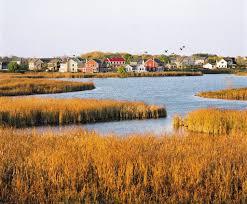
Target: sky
[(47, 28)]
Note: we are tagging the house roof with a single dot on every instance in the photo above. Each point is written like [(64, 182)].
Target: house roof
[(98, 61), (35, 60), (54, 60), (230, 59), (65, 60), (155, 59), (115, 59)]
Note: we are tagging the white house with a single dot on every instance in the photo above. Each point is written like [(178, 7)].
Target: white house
[(141, 68), (199, 61), (209, 66), (35, 64), (70, 65), (171, 66), (221, 63), (130, 68)]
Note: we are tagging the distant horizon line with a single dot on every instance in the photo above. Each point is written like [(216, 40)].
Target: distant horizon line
[(121, 53)]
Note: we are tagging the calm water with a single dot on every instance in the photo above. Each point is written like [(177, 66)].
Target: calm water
[(176, 93)]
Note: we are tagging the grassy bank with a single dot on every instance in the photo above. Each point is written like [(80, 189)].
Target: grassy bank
[(84, 167), (17, 87), (214, 121), (21, 112), (230, 94), (242, 73), (218, 71), (105, 75)]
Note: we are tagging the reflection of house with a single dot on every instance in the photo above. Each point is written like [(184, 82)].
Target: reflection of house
[(93, 66), (53, 65), (221, 63), (71, 65), (35, 65), (209, 65)]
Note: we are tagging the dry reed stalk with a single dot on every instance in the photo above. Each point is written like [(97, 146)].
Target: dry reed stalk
[(84, 167), (19, 112), (24, 86)]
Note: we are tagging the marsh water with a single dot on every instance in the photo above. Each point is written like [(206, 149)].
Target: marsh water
[(177, 94)]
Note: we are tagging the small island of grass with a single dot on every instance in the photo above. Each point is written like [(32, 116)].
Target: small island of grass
[(213, 121), (229, 94)]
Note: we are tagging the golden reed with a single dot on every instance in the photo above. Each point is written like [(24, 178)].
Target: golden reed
[(104, 75), (230, 94), (83, 167), (23, 86), (30, 111), (214, 121)]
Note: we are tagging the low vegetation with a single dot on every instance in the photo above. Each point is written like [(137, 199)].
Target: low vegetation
[(218, 71), (243, 73), (214, 121), (21, 112), (229, 94), (16, 87), (86, 168), (106, 75)]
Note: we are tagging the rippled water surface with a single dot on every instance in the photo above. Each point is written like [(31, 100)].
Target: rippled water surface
[(176, 93)]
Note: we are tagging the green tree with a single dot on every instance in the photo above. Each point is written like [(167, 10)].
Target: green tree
[(121, 70), (23, 67), (164, 59), (13, 67), (241, 62), (128, 58)]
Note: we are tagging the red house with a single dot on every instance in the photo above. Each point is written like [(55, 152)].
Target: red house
[(92, 66), (114, 61), (153, 65)]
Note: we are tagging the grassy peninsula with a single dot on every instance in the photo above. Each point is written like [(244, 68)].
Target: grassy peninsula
[(30, 111), (24, 86)]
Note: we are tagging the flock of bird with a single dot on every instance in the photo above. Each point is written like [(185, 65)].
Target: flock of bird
[(166, 51)]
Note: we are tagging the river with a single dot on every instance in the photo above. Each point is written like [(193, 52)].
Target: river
[(177, 94)]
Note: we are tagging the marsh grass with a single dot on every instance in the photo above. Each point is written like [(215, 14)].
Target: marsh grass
[(214, 121), (243, 73), (30, 111), (105, 75), (87, 168), (229, 94), (18, 87)]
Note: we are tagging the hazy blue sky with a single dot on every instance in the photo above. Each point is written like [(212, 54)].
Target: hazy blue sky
[(59, 27)]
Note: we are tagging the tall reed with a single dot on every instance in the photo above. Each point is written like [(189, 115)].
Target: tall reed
[(32, 111), (241, 73), (17, 87), (82, 167), (230, 94), (106, 75), (214, 121)]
